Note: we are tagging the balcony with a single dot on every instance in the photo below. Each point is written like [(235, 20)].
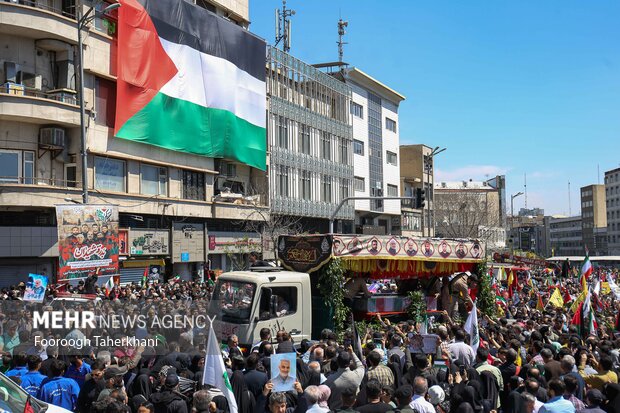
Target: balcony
[(21, 104), (36, 19)]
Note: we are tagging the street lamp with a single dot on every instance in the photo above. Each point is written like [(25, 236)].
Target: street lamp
[(82, 21), (428, 168), (512, 217)]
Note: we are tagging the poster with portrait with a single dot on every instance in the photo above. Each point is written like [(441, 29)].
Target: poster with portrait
[(423, 343), (87, 240), (283, 371), (35, 288)]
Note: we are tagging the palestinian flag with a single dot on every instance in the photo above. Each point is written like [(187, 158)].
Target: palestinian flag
[(190, 81)]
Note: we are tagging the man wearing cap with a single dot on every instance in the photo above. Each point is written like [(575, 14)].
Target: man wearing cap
[(113, 377), (169, 400), (594, 399)]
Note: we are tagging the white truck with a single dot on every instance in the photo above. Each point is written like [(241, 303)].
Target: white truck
[(244, 302)]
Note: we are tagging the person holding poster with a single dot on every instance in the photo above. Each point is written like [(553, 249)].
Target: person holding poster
[(283, 371), (35, 288)]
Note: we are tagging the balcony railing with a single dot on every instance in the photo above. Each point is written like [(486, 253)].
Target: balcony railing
[(25, 180), (67, 12), (61, 95)]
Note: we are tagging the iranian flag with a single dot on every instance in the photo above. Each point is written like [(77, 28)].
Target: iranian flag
[(215, 373), (586, 267), (190, 81)]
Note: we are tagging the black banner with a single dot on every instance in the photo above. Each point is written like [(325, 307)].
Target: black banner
[(304, 253)]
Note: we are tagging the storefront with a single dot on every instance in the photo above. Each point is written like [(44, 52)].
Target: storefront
[(188, 250), (228, 251), (143, 251)]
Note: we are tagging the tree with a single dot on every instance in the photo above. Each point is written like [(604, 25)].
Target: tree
[(486, 295), (468, 214), (269, 227)]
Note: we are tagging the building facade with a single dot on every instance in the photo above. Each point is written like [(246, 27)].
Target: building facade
[(564, 236), (594, 219), (374, 116), (159, 192), (310, 143), (470, 209), (413, 177), (612, 203)]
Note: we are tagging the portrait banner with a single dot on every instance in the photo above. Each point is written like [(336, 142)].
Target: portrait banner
[(283, 371), (35, 288), (381, 246), (87, 240)]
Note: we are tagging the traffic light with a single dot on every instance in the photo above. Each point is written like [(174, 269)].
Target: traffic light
[(420, 199)]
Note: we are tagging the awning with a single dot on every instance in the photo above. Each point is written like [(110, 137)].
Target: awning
[(142, 263)]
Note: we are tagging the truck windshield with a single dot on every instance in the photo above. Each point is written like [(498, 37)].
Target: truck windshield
[(232, 301)]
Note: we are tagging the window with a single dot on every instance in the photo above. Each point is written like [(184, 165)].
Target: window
[(304, 139), (390, 125), (304, 185), (326, 152), (282, 132), (153, 180), (193, 185), (358, 147), (360, 184), (276, 302), (16, 167), (391, 157), (344, 188), (343, 151), (110, 174), (71, 175), (282, 180), (392, 190), (326, 188), (411, 221), (357, 110), (105, 102)]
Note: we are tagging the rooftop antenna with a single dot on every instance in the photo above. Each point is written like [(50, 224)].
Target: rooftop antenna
[(569, 209), (525, 187), (341, 32), (283, 27)]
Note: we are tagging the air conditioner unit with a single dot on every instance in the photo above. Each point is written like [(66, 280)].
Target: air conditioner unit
[(52, 137), (10, 72), (30, 80)]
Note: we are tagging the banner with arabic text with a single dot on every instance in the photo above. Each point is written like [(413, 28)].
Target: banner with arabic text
[(87, 240)]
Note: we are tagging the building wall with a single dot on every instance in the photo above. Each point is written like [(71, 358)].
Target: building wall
[(594, 218), (565, 236), (612, 202)]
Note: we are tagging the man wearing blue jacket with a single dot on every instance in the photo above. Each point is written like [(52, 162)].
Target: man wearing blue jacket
[(60, 391), (31, 381)]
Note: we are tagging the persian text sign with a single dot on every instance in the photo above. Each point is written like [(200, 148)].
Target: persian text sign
[(304, 253), (87, 240)]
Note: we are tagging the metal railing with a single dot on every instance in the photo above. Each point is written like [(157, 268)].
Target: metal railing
[(25, 180), (24, 91), (44, 6)]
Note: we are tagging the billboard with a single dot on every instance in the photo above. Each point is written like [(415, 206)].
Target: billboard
[(87, 240)]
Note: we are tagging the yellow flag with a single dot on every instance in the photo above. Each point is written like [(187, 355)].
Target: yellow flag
[(556, 298), (578, 301), (510, 278), (539, 303)]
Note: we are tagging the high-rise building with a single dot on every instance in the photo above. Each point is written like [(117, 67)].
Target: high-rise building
[(414, 177), (594, 219), (612, 202), (161, 194), (564, 236), (376, 131)]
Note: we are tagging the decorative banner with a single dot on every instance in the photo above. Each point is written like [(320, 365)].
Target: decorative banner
[(35, 288), (304, 253), (123, 242), (517, 259), (363, 246), (87, 240)]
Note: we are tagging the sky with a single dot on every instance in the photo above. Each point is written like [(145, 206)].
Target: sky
[(509, 87)]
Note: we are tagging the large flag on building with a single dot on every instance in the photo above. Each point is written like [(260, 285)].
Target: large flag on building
[(190, 81), (215, 373), (471, 326)]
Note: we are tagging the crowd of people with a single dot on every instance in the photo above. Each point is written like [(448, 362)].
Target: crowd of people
[(527, 359)]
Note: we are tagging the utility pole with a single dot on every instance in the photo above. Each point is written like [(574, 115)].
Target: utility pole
[(283, 27), (341, 32)]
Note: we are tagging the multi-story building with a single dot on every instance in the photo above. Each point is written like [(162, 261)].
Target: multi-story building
[(564, 236), (469, 209), (160, 193), (594, 219), (612, 202), (374, 113), (414, 176), (310, 143)]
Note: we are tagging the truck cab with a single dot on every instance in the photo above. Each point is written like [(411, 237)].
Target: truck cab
[(244, 302)]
